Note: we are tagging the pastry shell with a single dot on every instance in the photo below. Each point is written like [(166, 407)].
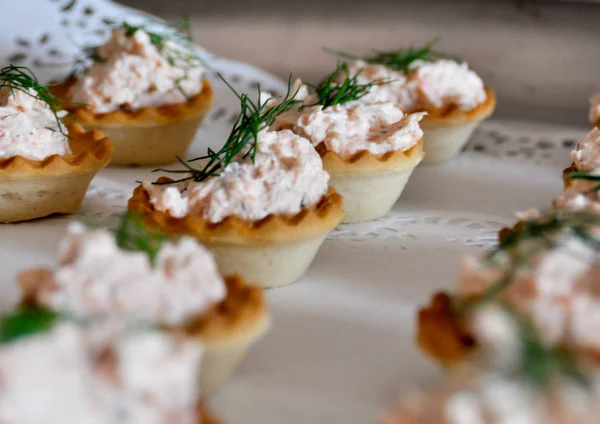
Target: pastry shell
[(370, 184), (31, 189), (148, 136), (442, 334), (227, 329), (205, 416), (274, 251), (447, 131)]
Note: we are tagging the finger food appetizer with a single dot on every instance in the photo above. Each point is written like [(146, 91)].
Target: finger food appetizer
[(582, 178), (145, 89), (521, 378), (262, 203), (369, 149), (425, 80), (546, 268), (59, 370), (45, 165), (137, 274)]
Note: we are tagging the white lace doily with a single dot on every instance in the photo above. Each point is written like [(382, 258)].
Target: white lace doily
[(342, 347)]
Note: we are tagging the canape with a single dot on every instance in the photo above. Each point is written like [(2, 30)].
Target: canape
[(145, 90), (136, 274), (546, 268), (522, 378), (424, 80), (262, 203), (369, 149), (45, 166), (59, 370)]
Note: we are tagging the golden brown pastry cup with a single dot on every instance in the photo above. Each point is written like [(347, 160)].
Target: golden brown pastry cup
[(370, 184), (447, 131), (227, 329), (272, 252), (31, 189), (442, 334), (148, 136)]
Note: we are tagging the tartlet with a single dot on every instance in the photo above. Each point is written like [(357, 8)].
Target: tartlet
[(425, 80), (227, 322), (96, 370), (546, 259), (31, 189), (148, 136), (227, 330), (271, 252), (447, 131), (370, 184)]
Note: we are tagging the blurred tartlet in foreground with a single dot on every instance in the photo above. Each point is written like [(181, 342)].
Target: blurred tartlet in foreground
[(59, 370), (424, 80), (145, 89), (546, 268), (136, 274), (516, 377), (45, 166), (262, 203)]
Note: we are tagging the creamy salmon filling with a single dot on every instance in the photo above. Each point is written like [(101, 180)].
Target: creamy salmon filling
[(99, 373), (587, 155), (499, 386), (489, 398), (29, 128), (347, 129), (285, 176), (438, 84), (132, 72), (351, 127), (557, 288), (96, 278)]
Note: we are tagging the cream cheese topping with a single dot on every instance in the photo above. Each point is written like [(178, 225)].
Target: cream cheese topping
[(99, 373), (557, 289), (595, 109), (97, 278), (351, 128), (480, 397), (134, 74), (439, 84), (286, 176), (28, 127), (587, 154)]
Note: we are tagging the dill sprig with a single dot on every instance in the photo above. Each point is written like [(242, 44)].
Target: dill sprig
[(21, 78), (26, 322), (331, 92), (242, 141), (401, 59), (131, 234), (587, 175), (540, 363), (582, 175), (528, 238)]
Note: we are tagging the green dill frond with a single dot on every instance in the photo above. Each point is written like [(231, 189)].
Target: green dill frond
[(25, 322), (21, 78), (531, 237), (332, 92), (132, 235), (242, 141), (540, 363), (401, 59)]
